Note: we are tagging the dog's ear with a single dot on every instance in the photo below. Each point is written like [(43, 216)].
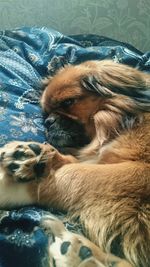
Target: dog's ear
[(134, 85), (93, 84)]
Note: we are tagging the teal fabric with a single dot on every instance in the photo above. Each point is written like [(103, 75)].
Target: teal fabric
[(124, 20)]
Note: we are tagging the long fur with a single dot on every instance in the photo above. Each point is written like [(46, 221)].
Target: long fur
[(108, 186), (118, 208)]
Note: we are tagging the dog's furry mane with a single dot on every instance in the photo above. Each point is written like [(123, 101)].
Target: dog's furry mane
[(133, 87), (126, 96)]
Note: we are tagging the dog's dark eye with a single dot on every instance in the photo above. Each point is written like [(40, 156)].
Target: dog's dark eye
[(67, 103)]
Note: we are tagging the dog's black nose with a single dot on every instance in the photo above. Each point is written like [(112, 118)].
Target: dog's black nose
[(50, 120)]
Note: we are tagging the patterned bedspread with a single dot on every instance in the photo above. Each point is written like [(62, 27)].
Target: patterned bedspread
[(26, 56)]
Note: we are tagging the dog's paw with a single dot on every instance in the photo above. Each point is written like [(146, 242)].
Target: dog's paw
[(65, 248), (68, 249), (24, 162)]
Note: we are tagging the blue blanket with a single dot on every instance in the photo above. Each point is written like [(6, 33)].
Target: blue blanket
[(26, 56)]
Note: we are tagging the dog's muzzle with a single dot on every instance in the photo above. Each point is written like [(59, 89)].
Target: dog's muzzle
[(63, 132)]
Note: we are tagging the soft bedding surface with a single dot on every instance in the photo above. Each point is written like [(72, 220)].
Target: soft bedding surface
[(26, 56)]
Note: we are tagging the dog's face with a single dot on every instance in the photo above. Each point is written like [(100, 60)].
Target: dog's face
[(70, 108), (90, 99)]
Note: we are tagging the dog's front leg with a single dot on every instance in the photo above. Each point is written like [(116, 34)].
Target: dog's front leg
[(24, 166)]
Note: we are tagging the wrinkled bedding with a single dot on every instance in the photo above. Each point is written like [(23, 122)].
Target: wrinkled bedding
[(26, 56)]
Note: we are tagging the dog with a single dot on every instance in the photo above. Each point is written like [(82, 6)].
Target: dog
[(107, 185)]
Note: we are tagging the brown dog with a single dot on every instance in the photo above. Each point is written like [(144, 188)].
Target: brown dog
[(109, 187)]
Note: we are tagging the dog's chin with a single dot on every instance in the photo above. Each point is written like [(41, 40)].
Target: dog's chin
[(67, 135)]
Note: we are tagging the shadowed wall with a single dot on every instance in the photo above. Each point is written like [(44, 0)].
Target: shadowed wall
[(124, 20)]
